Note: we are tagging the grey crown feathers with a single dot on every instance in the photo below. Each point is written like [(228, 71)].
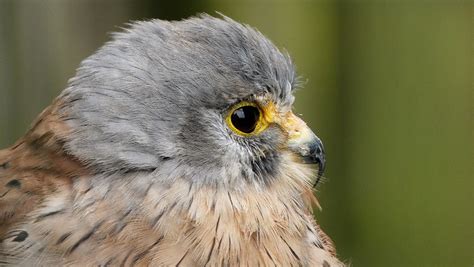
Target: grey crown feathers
[(156, 94)]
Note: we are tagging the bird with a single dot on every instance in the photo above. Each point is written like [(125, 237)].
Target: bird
[(175, 144)]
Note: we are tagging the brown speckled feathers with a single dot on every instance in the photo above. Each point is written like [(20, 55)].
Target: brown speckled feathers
[(33, 168)]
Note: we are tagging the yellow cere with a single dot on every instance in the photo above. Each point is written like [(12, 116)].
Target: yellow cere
[(292, 124)]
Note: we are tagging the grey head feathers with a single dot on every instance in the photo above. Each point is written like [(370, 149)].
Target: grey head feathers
[(153, 99)]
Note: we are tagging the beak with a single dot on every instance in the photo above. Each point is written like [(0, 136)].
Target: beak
[(305, 143)]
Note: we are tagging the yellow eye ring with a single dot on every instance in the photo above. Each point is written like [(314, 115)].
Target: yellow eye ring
[(246, 119)]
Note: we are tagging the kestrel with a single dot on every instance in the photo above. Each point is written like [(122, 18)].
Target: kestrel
[(174, 145)]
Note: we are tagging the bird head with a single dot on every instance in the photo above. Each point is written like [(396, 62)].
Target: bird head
[(204, 99)]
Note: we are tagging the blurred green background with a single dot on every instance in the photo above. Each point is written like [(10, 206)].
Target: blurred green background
[(389, 90)]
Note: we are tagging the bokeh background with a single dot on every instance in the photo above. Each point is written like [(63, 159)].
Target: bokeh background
[(389, 90)]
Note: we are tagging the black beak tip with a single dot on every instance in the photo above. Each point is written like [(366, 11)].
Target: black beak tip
[(318, 156), (322, 167)]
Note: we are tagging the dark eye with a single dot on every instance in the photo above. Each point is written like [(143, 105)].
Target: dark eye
[(245, 118)]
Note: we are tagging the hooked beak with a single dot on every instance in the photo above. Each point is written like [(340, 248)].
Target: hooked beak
[(306, 144), (312, 152)]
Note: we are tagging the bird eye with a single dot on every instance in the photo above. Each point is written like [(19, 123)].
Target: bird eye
[(245, 118)]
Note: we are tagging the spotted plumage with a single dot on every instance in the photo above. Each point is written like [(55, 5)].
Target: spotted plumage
[(137, 163)]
